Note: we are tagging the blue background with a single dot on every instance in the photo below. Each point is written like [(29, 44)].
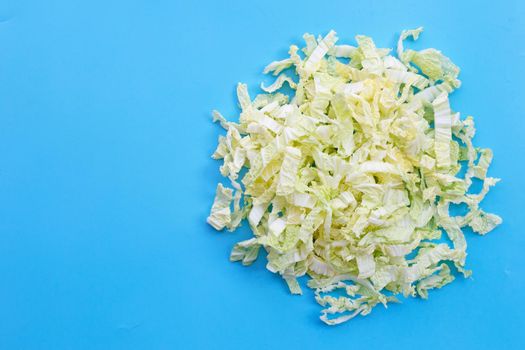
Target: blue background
[(106, 177)]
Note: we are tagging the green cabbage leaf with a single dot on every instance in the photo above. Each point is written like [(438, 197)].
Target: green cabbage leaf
[(350, 180)]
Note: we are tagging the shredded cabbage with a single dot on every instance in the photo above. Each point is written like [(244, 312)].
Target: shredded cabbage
[(351, 180)]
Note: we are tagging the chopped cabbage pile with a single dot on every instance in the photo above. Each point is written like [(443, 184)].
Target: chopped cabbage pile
[(350, 180)]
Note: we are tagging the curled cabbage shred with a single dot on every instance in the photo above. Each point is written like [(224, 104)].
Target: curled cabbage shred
[(349, 181)]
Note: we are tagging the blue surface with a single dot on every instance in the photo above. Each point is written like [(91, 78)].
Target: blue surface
[(106, 177)]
